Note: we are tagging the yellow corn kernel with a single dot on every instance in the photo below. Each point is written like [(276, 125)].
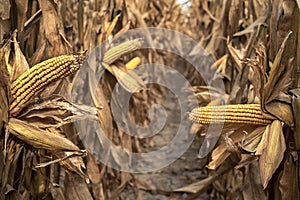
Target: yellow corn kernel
[(133, 63)]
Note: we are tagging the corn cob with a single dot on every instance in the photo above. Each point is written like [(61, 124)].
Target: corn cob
[(116, 52), (31, 82), (240, 113)]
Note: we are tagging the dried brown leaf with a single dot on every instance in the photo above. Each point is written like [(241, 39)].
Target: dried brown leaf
[(258, 76), (251, 28), (281, 111), (198, 186), (76, 188), (53, 29), (39, 138), (276, 71), (242, 134), (20, 64), (252, 143), (273, 152), (296, 112), (252, 188), (289, 184), (220, 67), (5, 9), (129, 80), (4, 90), (56, 111)]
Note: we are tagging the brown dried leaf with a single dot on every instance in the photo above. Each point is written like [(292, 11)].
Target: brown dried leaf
[(252, 188), (281, 111), (251, 28), (39, 138), (220, 67), (56, 111), (129, 80), (5, 9), (20, 64), (275, 74), (22, 12), (76, 188), (53, 29), (289, 184), (296, 112), (273, 152), (220, 153), (4, 89), (252, 143), (236, 55), (258, 76), (111, 27), (198, 186)]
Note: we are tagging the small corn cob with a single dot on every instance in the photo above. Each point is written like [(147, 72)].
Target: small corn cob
[(239, 113), (31, 82), (116, 52)]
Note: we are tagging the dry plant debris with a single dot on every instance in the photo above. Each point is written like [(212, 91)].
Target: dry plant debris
[(257, 52)]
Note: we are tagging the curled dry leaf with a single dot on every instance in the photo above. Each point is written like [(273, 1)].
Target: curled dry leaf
[(241, 134), (56, 111)]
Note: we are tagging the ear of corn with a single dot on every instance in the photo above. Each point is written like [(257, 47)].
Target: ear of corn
[(239, 113), (116, 52), (31, 82)]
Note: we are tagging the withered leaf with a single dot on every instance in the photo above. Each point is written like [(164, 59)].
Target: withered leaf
[(276, 72), (282, 111), (5, 9), (252, 183), (129, 80), (273, 152), (296, 112), (221, 152), (251, 144), (39, 138), (55, 111), (289, 184)]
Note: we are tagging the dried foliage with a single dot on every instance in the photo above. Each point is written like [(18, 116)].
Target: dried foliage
[(257, 52)]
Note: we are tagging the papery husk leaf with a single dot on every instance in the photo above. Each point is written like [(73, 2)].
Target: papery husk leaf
[(220, 153), (39, 138), (20, 64), (56, 111), (276, 71), (252, 143), (281, 111), (128, 79), (273, 152)]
